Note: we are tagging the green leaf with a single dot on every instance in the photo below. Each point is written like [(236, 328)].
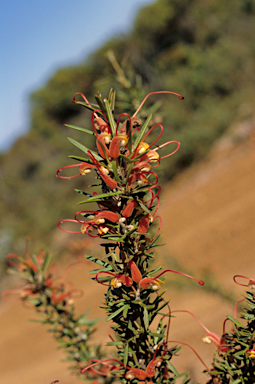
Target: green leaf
[(131, 166), (111, 99), (125, 158), (90, 321), (90, 106), (111, 343), (82, 192), (110, 116), (159, 335), (235, 321), (171, 367), (100, 104), (141, 133), (115, 313), (112, 237), (115, 171), (125, 312), (100, 197), (79, 158), (12, 271), (160, 308), (147, 210), (154, 271), (101, 270), (80, 129), (97, 261), (146, 318), (84, 148), (126, 355), (46, 262)]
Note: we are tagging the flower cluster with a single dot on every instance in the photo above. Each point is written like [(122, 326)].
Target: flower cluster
[(123, 163), (40, 277), (127, 153), (52, 296), (234, 359)]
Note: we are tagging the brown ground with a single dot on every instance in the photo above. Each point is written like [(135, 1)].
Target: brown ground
[(208, 222)]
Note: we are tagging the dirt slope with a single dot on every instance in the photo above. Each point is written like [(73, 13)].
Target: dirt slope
[(208, 222)]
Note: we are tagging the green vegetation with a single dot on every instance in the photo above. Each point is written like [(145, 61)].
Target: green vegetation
[(203, 50)]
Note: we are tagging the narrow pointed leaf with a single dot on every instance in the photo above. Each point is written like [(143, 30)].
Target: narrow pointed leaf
[(146, 318), (126, 355), (115, 314), (171, 367), (100, 104), (115, 171), (235, 321), (46, 262), (79, 158), (80, 129), (97, 261), (84, 148), (110, 116), (100, 197), (142, 131)]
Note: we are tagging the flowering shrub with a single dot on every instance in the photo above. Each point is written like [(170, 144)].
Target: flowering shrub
[(128, 151), (53, 299)]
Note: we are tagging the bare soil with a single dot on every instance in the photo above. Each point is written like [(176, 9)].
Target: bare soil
[(208, 223)]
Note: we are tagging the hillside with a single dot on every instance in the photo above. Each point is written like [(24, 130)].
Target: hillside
[(208, 217)]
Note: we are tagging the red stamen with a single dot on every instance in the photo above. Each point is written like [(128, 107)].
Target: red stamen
[(187, 345), (155, 93), (71, 221), (180, 273), (103, 362), (154, 186), (236, 305), (190, 313), (84, 98), (68, 166), (172, 153), (123, 126), (13, 256), (159, 228), (150, 130), (16, 294), (251, 281)]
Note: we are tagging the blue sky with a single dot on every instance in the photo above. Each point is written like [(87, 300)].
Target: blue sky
[(39, 36)]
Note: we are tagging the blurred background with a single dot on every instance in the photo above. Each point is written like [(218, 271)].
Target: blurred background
[(202, 50)]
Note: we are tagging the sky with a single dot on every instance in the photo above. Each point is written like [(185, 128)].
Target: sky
[(40, 36)]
